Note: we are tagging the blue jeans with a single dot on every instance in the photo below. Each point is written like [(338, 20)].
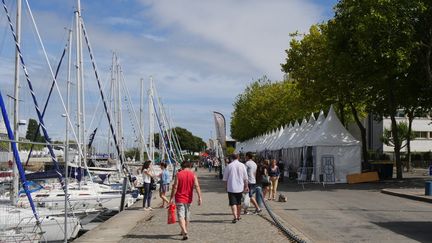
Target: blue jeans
[(147, 195), (259, 196), (210, 168)]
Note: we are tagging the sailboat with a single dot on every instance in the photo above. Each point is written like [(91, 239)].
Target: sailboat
[(26, 224), (83, 195)]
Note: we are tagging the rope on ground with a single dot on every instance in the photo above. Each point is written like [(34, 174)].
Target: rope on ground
[(276, 221)]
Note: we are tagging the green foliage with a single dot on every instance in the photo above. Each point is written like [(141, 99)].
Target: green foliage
[(230, 150), (4, 146), (188, 141), (389, 140), (132, 153), (265, 106), (32, 128)]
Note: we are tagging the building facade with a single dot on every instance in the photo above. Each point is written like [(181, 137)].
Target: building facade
[(421, 126)]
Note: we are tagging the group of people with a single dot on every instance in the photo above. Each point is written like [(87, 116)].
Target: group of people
[(148, 182), (213, 163), (258, 180), (181, 194)]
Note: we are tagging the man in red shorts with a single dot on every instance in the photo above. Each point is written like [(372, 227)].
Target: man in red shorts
[(182, 192)]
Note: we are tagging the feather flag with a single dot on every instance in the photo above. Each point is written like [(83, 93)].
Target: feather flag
[(220, 127)]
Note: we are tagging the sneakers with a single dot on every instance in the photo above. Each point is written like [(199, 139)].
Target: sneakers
[(258, 211), (148, 208), (234, 221)]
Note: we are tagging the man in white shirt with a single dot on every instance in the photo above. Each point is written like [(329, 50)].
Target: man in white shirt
[(251, 168), (235, 176)]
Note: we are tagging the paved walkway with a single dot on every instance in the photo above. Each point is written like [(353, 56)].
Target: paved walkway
[(211, 222), (411, 193), (334, 213)]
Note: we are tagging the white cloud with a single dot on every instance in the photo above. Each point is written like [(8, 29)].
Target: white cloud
[(202, 54), (256, 30), (121, 21)]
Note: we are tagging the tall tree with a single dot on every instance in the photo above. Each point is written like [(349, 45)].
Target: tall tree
[(324, 76), (380, 37), (33, 133), (265, 106)]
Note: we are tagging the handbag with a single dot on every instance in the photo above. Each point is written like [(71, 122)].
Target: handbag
[(171, 214), (246, 201), (152, 184), (265, 179)]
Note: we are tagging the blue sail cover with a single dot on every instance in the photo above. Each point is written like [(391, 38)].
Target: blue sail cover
[(76, 173), (17, 157), (32, 187)]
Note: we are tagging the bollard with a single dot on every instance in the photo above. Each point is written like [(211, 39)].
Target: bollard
[(124, 187), (428, 188)]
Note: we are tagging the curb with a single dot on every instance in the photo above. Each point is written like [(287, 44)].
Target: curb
[(407, 195)]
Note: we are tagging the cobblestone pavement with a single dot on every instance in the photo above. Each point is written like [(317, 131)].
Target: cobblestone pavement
[(330, 213), (211, 222)]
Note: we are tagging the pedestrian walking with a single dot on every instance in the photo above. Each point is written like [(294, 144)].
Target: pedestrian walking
[(182, 193), (251, 169), (274, 174), (235, 176), (209, 164), (164, 184), (264, 178), (147, 176)]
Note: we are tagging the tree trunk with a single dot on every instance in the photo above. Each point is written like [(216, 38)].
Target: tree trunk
[(365, 164), (410, 120), (341, 113), (396, 146), (392, 107)]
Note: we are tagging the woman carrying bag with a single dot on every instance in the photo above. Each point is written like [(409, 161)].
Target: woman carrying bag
[(147, 180), (274, 174)]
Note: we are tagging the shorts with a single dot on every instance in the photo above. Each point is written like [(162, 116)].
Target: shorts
[(235, 198), (183, 211), (252, 189), (164, 188)]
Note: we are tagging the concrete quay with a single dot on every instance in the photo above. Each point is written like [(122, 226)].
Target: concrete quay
[(314, 212), (211, 222)]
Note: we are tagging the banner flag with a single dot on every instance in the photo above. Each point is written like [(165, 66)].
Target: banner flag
[(220, 127)]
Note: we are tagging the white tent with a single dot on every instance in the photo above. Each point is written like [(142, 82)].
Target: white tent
[(336, 153)]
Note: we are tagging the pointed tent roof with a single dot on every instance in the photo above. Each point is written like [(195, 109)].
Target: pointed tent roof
[(316, 126), (332, 133)]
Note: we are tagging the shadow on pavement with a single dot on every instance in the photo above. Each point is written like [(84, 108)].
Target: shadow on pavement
[(213, 214), (293, 186), (211, 221), (419, 231), (153, 237)]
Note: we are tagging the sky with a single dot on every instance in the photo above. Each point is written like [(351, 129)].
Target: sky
[(200, 54)]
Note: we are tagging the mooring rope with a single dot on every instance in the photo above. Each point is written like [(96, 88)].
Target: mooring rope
[(277, 222)]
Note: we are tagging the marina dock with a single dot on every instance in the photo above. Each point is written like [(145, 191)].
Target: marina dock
[(313, 213), (211, 222)]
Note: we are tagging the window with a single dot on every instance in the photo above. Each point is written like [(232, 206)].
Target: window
[(400, 113), (422, 135)]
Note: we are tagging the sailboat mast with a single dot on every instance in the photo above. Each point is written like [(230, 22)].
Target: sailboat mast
[(78, 75), (119, 107), (141, 120), (112, 102), (66, 150), (15, 186), (151, 120)]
